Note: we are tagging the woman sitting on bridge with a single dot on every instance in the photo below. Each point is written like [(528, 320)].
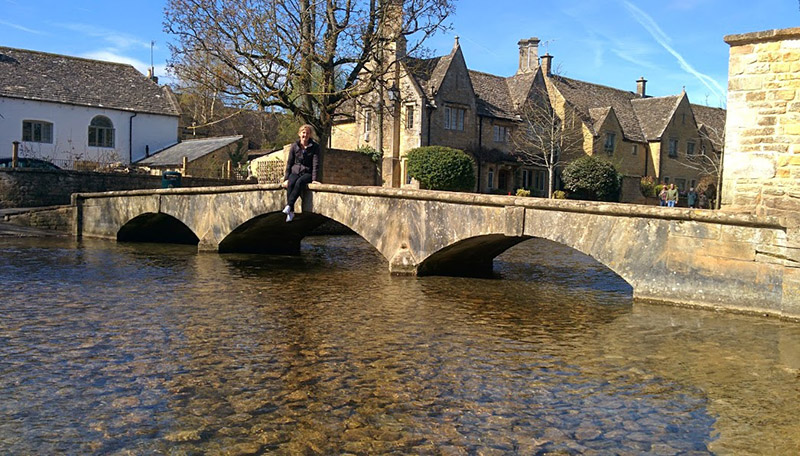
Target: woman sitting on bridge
[(301, 168)]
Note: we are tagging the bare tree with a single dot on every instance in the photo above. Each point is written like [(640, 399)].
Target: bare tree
[(543, 137), (708, 161), (307, 57)]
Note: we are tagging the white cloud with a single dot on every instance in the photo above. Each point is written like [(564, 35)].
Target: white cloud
[(662, 39), (116, 39), (21, 28)]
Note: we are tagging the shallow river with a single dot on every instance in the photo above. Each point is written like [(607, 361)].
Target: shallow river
[(153, 349)]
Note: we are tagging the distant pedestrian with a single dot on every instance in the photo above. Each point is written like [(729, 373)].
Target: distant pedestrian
[(703, 200), (691, 197), (672, 196), (662, 195), (302, 165)]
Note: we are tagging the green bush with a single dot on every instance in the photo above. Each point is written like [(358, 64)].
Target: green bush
[(559, 195), (441, 168), (589, 178), (370, 151), (648, 187), (523, 192)]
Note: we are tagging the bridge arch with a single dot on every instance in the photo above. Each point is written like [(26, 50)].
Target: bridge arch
[(156, 227)]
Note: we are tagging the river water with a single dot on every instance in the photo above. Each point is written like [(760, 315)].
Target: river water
[(145, 349)]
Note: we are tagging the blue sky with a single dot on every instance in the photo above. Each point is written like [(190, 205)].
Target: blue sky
[(672, 43)]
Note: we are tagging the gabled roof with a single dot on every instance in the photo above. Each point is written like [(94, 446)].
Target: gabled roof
[(713, 121), (493, 96), (655, 113), (429, 73), (585, 96), (192, 149), (33, 75)]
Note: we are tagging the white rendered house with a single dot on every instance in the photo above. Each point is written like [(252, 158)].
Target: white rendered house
[(70, 110)]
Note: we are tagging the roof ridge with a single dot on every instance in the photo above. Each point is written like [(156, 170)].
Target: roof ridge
[(53, 54)]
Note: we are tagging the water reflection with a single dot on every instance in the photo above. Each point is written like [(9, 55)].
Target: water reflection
[(140, 349)]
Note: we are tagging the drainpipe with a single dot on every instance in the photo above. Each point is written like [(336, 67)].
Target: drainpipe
[(130, 138), (480, 148), (430, 115)]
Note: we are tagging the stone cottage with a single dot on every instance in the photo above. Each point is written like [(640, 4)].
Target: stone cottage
[(440, 101)]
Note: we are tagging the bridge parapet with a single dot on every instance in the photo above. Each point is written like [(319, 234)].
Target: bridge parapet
[(695, 257)]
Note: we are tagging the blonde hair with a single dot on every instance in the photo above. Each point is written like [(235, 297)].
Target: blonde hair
[(311, 132)]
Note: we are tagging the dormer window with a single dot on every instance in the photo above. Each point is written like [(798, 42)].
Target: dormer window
[(500, 134)]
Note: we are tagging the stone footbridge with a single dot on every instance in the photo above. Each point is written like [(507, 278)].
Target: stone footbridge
[(692, 257)]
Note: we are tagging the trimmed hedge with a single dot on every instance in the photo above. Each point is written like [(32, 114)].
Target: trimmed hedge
[(589, 178), (441, 168)]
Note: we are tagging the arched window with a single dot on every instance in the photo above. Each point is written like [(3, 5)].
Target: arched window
[(101, 132)]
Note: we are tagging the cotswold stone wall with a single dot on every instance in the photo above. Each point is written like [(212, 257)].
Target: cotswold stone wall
[(346, 167), (37, 188), (762, 143)]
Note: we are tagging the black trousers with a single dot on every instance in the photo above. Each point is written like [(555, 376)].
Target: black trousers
[(296, 185)]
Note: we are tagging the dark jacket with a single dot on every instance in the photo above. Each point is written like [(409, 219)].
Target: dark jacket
[(302, 161)]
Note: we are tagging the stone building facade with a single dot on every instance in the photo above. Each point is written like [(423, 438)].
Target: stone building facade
[(762, 140), (440, 101)]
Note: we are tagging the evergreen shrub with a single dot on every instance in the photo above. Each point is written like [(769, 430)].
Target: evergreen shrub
[(441, 168), (589, 178)]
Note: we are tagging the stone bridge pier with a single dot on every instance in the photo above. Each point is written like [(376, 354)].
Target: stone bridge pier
[(686, 256)]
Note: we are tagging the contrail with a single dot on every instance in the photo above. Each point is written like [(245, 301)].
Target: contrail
[(650, 25)]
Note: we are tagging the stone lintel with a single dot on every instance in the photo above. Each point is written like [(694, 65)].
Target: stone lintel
[(763, 36)]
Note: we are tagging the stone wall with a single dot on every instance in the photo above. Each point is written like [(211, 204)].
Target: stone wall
[(762, 135), (346, 167), (37, 188), (59, 218)]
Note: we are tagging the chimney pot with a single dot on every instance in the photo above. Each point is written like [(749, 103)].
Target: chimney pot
[(547, 64), (641, 84), (528, 55)]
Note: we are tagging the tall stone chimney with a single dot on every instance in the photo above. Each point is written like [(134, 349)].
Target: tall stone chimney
[(547, 64), (640, 87), (528, 55)]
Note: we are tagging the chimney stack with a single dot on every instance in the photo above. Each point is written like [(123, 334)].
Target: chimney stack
[(528, 55), (640, 87), (547, 64)]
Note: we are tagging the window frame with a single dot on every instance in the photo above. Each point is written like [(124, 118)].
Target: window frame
[(610, 142), (454, 118), (672, 148), (409, 116), (101, 135), (500, 133), (45, 133), (690, 148)]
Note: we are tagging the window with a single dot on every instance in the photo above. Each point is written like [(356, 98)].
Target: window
[(609, 144), (540, 180), (500, 133), (693, 184), (681, 184), (409, 117), (37, 131), (454, 118), (527, 178), (673, 148), (666, 180), (634, 149), (101, 132), (689, 148), (367, 123), (490, 179)]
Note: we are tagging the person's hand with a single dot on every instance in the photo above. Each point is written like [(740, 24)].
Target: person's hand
[(285, 183)]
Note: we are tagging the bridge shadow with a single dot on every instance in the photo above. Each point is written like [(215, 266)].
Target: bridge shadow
[(473, 257), (158, 228), (271, 234)]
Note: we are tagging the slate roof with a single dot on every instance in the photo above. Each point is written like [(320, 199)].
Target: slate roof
[(494, 97), (655, 113), (713, 119), (192, 149), (34, 75), (429, 73), (586, 97)]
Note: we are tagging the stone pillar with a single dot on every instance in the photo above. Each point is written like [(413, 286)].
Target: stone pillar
[(761, 168)]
